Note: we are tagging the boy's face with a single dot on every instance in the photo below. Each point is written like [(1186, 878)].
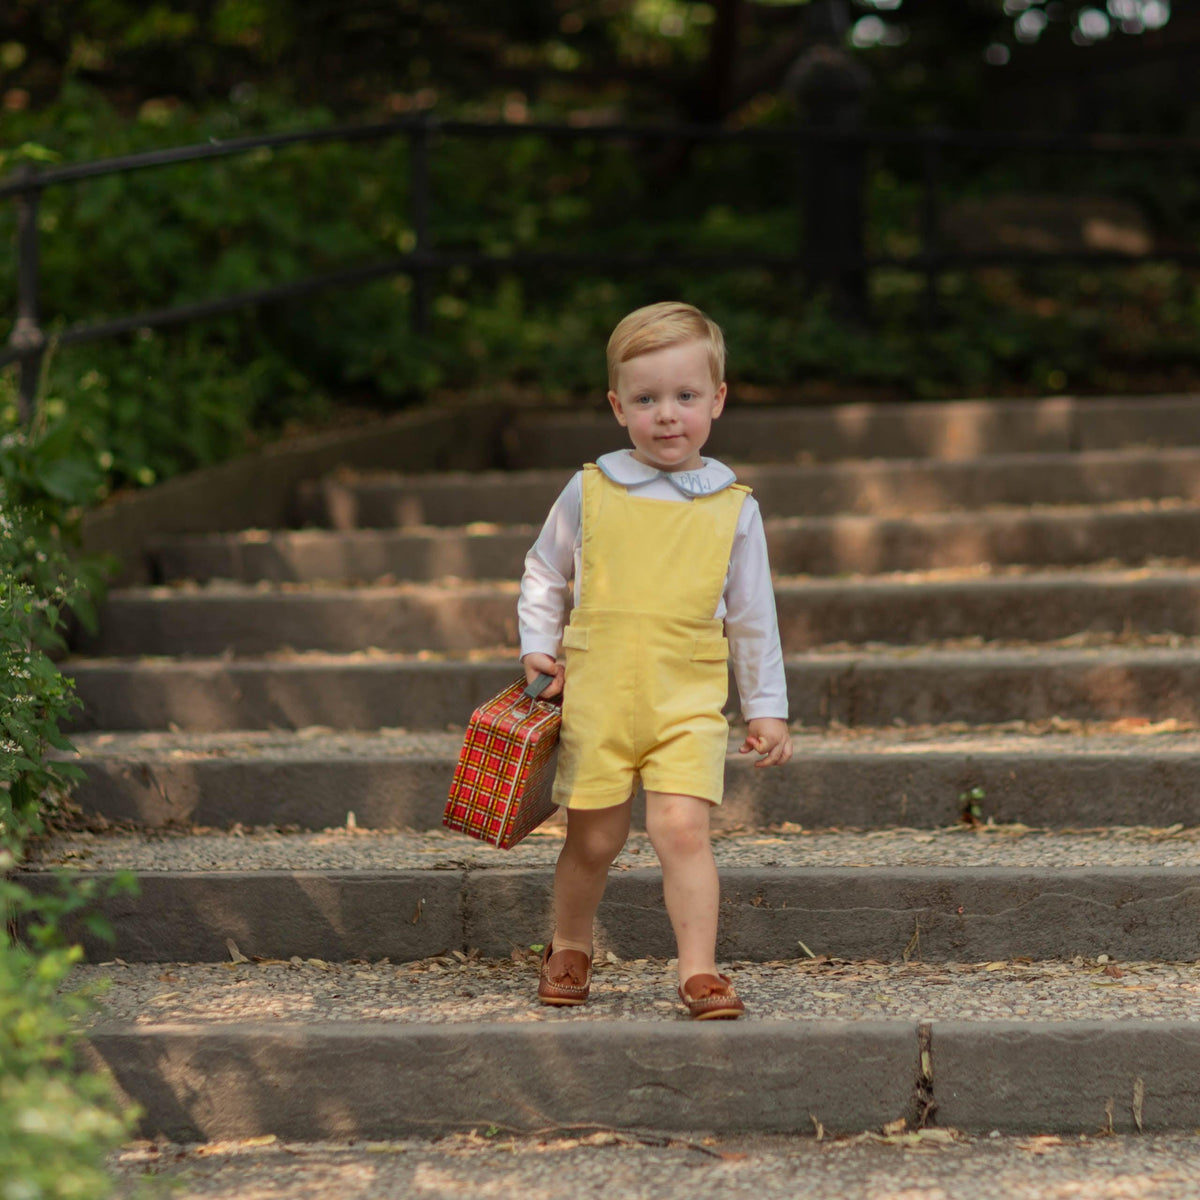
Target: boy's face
[(668, 402)]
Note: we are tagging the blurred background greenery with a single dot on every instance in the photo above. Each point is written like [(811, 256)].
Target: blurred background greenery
[(82, 79)]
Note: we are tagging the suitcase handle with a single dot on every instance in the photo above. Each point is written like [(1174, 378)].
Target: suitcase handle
[(538, 686)]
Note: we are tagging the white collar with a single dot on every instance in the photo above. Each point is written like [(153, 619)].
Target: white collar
[(621, 467)]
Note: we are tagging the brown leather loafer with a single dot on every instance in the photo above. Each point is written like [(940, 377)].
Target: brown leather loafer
[(711, 998), (566, 977)]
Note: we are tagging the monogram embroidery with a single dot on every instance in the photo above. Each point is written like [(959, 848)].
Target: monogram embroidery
[(694, 482)]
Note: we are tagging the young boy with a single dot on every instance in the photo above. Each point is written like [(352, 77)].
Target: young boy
[(670, 578)]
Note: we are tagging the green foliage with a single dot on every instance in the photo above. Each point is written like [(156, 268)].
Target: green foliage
[(56, 1123), (36, 583), (145, 407)]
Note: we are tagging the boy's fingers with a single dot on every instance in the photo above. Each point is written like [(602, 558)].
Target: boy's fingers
[(780, 753)]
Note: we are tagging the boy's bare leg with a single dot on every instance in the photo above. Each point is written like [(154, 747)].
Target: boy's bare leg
[(594, 839), (678, 829)]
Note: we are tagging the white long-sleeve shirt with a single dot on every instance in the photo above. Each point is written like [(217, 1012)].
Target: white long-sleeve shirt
[(747, 603)]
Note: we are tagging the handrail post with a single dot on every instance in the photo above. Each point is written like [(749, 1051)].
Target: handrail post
[(931, 162), (830, 86), (418, 181), (26, 337)]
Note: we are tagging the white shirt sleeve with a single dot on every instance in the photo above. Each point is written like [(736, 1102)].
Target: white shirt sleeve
[(550, 567), (750, 621)]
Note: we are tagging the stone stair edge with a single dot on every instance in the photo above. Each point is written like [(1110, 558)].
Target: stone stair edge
[(767, 914), (320, 535), (949, 429), (730, 1078), (856, 688), (1132, 533), (1052, 736), (1134, 785), (983, 574), (751, 471), (1081, 650), (904, 608)]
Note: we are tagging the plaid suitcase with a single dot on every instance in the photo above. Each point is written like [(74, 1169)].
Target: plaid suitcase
[(505, 772)]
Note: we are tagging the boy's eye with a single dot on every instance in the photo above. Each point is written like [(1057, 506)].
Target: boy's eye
[(687, 395), (644, 400)]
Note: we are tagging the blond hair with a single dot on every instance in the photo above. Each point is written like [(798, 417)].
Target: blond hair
[(660, 325)]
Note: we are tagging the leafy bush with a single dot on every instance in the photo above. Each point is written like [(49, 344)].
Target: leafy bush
[(35, 585), (156, 403), (56, 1122)]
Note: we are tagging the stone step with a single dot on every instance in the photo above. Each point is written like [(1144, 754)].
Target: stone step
[(378, 1051), (1066, 536), (867, 688), (955, 895), (901, 609), (390, 779), (794, 1165), (940, 429), (880, 487)]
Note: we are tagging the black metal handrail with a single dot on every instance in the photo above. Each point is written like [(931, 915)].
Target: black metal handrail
[(829, 258)]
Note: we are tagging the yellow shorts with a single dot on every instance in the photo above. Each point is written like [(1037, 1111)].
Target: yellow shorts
[(643, 702)]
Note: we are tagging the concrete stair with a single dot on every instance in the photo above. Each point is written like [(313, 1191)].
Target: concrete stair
[(862, 1044), (813, 613), (988, 609), (879, 487), (393, 779)]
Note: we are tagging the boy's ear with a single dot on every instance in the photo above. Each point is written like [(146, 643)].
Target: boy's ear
[(616, 407), (719, 400)]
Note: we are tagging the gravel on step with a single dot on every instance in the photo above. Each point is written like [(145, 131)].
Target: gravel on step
[(1015, 846), (933, 1165), (460, 988), (1097, 640), (1053, 735)]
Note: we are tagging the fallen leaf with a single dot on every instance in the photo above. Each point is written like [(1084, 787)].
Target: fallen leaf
[(1139, 1101), (1041, 1144), (936, 1135), (234, 953), (899, 1125)]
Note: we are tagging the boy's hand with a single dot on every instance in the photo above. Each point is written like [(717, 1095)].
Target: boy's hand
[(543, 664), (767, 736)]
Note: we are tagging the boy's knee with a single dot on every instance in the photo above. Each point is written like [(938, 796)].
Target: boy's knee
[(601, 847), (678, 829), (597, 842)]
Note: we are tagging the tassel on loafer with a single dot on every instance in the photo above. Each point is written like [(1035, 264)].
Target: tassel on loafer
[(711, 998), (566, 977)]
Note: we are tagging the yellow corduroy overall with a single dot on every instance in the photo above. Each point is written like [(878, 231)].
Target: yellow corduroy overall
[(646, 661)]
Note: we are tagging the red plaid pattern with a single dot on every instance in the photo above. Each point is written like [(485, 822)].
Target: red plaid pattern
[(502, 784)]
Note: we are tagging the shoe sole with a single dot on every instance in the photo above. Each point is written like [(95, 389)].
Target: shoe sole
[(718, 1014), (561, 1002)]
